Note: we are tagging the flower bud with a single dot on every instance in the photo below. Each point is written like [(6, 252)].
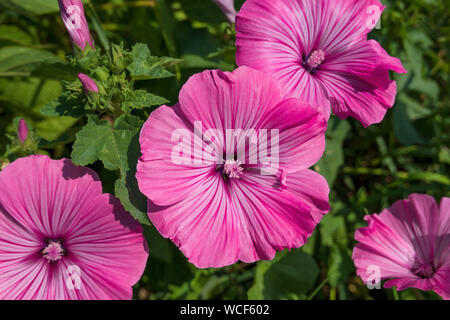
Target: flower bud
[(72, 15), (89, 85), (22, 130)]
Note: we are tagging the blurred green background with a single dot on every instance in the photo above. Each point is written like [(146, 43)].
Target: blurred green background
[(367, 169)]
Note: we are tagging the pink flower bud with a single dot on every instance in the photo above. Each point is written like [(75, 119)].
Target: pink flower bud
[(72, 15), (227, 7), (22, 130), (89, 85)]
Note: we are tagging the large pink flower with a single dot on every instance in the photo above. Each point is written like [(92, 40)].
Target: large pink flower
[(232, 207), (72, 15), (318, 50), (408, 243), (61, 237)]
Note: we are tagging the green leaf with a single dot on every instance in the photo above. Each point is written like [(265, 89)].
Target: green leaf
[(34, 7), (52, 128), (145, 66), (289, 273), (333, 157), (127, 189), (141, 99), (22, 59), (64, 105), (416, 80), (404, 129), (332, 229), (340, 266), (57, 71), (204, 11), (117, 146), (14, 34), (99, 140), (97, 26)]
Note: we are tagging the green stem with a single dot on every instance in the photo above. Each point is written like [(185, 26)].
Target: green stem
[(333, 293), (395, 293), (316, 290)]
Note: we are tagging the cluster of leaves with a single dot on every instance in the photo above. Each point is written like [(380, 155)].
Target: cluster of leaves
[(367, 169), (115, 74)]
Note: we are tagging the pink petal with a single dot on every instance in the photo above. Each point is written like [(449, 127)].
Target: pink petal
[(312, 189), (271, 218), (203, 225), (357, 97), (301, 131), (159, 178), (229, 100)]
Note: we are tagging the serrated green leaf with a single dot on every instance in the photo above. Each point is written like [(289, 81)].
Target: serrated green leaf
[(117, 147), (289, 273), (145, 66), (141, 99), (98, 140)]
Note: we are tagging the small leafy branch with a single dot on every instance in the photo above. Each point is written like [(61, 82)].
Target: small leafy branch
[(111, 133)]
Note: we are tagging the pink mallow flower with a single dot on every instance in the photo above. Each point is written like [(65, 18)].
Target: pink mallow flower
[(72, 15), (22, 130), (408, 243), (61, 237), (319, 51), (88, 83), (217, 203), (227, 7)]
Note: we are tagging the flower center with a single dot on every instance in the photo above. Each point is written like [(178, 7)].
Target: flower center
[(425, 270), (233, 168), (53, 251), (315, 59)]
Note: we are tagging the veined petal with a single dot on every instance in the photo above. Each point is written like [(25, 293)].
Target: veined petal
[(167, 172), (204, 226)]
